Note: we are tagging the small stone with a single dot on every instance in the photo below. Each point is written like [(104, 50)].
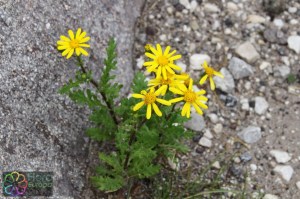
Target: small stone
[(232, 6), (286, 171), (253, 167), (225, 84), (247, 51), (270, 35), (282, 71), (230, 100), (239, 68), (270, 196), (278, 22), (181, 65), (298, 184), (209, 7), (292, 10), (196, 123), (246, 157), (185, 3), (218, 128), (48, 25), (280, 156), (247, 85), (139, 62), (237, 160), (204, 141), (294, 43), (174, 164), (208, 134), (216, 165), (193, 5), (213, 117), (261, 105), (245, 104), (256, 19), (163, 37), (250, 135), (194, 25), (264, 65), (196, 61)]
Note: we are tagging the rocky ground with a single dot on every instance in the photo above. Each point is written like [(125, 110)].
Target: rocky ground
[(256, 108)]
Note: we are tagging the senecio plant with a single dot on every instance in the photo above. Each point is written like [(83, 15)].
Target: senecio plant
[(141, 143)]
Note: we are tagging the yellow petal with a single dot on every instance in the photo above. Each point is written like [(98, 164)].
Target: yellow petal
[(218, 74), (160, 90), (169, 70), (70, 53), (156, 110), (62, 47), (82, 35), (164, 102), (83, 52), (185, 109), (84, 45), (167, 50), (175, 67), (204, 64), (138, 96), (182, 87), (176, 100), (77, 51), (171, 54), (188, 111), (71, 34), (66, 52), (86, 39), (176, 91), (148, 114), (78, 33), (159, 50), (150, 55), (175, 57), (164, 73), (149, 63), (202, 98), (212, 83), (203, 79), (202, 105), (63, 43), (138, 106), (199, 111), (201, 92), (64, 38), (158, 72), (154, 51), (191, 84)]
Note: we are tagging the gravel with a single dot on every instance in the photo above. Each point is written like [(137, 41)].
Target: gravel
[(196, 122), (225, 84), (280, 156), (285, 171), (196, 61), (294, 43), (248, 52), (239, 68), (251, 134), (261, 105)]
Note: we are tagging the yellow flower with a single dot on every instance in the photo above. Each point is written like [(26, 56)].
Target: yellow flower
[(149, 100), (74, 43), (191, 98), (209, 72), (173, 80), (162, 61), (147, 47)]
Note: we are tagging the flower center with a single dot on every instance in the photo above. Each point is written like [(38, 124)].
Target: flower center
[(149, 98), (162, 60), (167, 81), (209, 71), (190, 96), (74, 43)]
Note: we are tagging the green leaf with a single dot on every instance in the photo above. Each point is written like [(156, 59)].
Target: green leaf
[(108, 184), (139, 83)]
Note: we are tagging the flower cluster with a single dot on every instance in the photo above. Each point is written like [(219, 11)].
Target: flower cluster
[(161, 63)]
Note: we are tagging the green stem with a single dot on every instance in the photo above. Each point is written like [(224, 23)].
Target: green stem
[(109, 106)]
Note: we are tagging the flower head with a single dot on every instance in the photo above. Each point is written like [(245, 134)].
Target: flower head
[(190, 97), (73, 44), (209, 72), (149, 99), (173, 80), (162, 61)]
